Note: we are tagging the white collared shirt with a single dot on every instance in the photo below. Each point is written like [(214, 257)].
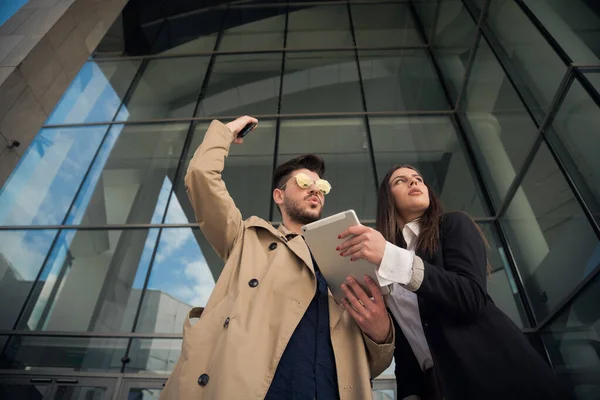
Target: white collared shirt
[(396, 269)]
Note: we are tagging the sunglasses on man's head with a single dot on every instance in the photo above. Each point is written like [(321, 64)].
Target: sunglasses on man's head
[(305, 181)]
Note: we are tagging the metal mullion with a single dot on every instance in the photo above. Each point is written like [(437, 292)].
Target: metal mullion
[(460, 132), (257, 51), (107, 227), (417, 113), (563, 88), (364, 101), (278, 120)]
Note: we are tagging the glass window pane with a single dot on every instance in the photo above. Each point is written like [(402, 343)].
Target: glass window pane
[(96, 92), (321, 82), (183, 276), (552, 241), (168, 88), (253, 28), (501, 284), (248, 173), (497, 124), (573, 343), (103, 270), (132, 176), (22, 254), (431, 145), (343, 144), (594, 79), (33, 353), (314, 27), (576, 124), (158, 356), (453, 43), (243, 84), (382, 25), (529, 53), (194, 32), (574, 24), (426, 11), (400, 80), (12, 388), (45, 182)]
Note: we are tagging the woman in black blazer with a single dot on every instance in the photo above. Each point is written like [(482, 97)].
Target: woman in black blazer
[(452, 342)]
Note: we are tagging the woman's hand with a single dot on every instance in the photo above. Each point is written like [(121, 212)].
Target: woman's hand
[(369, 313), (367, 244)]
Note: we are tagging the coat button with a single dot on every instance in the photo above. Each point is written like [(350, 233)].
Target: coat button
[(203, 380), (253, 282), (273, 246), (226, 323)]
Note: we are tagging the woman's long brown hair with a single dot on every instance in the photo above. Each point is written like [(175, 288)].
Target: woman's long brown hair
[(388, 218)]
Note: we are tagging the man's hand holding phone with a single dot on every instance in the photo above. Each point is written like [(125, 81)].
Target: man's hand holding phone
[(241, 127)]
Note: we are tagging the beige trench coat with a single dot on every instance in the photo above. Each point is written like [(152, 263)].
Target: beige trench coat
[(264, 290)]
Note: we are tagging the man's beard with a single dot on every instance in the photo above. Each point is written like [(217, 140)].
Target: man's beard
[(296, 213)]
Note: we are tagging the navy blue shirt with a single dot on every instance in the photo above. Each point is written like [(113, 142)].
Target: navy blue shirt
[(306, 370)]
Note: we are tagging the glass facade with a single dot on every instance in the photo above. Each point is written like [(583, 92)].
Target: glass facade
[(496, 102)]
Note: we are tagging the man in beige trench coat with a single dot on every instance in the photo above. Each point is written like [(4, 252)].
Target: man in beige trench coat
[(270, 328)]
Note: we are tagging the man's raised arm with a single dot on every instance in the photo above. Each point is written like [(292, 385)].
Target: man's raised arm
[(215, 210)]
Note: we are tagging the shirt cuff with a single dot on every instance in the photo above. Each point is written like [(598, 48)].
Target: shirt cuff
[(396, 266)]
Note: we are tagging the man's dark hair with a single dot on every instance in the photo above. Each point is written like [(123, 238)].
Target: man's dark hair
[(310, 162)]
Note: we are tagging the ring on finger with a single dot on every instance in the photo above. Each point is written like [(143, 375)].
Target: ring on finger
[(361, 303)]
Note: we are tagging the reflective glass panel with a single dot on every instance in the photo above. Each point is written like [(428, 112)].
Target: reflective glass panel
[(158, 356), (13, 388), (425, 11), (194, 32), (497, 124), (183, 276), (64, 354), (22, 255), (132, 176), (247, 174), (573, 342), (400, 80), (326, 26), (96, 92), (253, 28), (501, 284), (430, 144), (383, 25), (343, 144), (576, 124), (574, 24), (527, 51), (103, 270), (167, 88), (44, 184), (320, 82), (552, 241), (243, 84), (453, 43)]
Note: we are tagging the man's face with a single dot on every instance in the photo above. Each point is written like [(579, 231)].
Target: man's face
[(300, 205)]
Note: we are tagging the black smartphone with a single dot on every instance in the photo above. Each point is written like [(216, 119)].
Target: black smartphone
[(246, 130)]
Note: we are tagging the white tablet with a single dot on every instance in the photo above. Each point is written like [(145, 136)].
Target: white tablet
[(322, 239)]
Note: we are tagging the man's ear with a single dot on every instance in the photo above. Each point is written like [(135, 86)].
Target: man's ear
[(278, 196)]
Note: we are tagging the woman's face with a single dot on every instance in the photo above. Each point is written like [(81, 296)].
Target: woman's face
[(411, 196)]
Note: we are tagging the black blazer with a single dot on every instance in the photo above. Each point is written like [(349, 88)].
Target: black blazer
[(478, 352)]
